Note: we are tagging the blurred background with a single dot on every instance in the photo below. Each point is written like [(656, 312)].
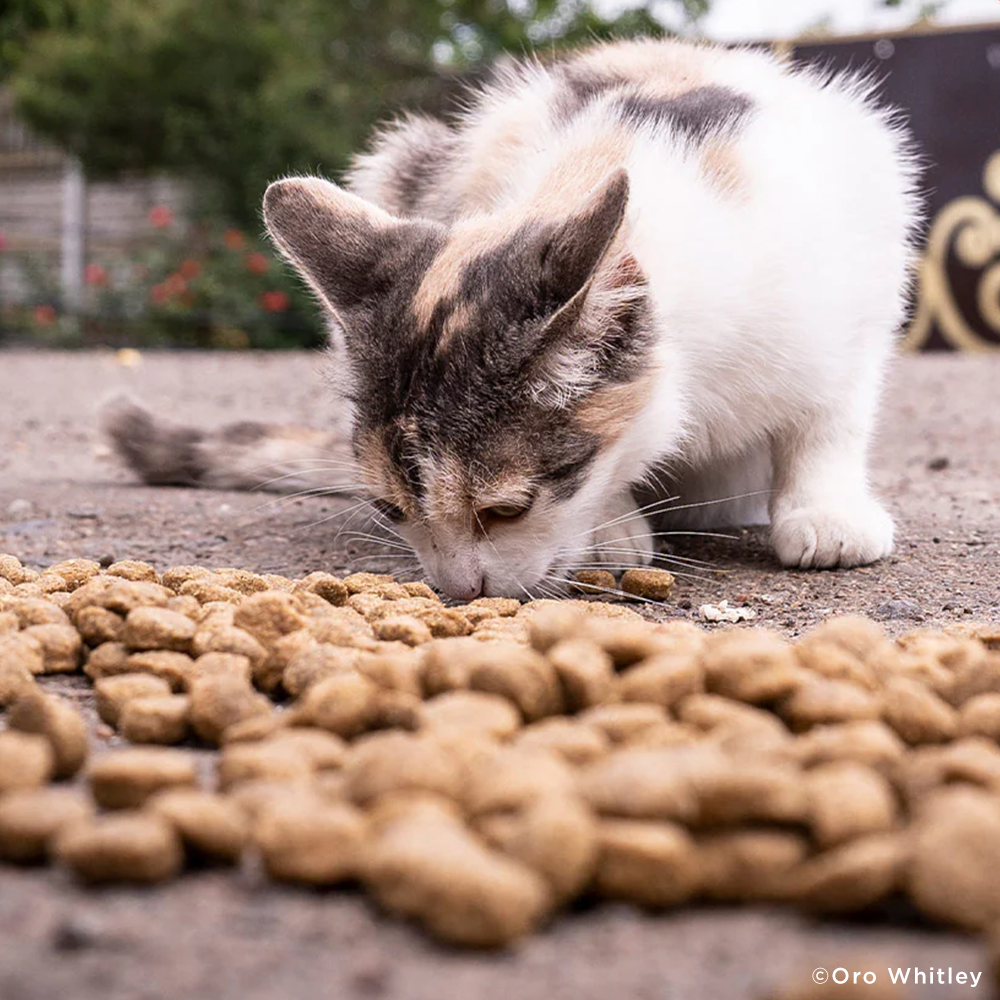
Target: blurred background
[(137, 136)]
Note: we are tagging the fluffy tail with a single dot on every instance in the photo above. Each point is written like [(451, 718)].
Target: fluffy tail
[(240, 456)]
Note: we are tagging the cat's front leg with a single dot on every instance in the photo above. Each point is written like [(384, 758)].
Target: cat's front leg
[(624, 537), (822, 511)]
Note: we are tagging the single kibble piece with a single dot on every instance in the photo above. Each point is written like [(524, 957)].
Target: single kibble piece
[(269, 616), (402, 628), (269, 674), (575, 742), (956, 853), (979, 716), (756, 666), (26, 761), (242, 762), (426, 865), (315, 662), (622, 723), (508, 778), (133, 569), (59, 722), (303, 839), (395, 762), (12, 570), (585, 672), (97, 625), (114, 693), (653, 864), (594, 581), (472, 711), (555, 837), (222, 701), (211, 826), (39, 611), (819, 702), (743, 866), (917, 714), (161, 719), (522, 676), (871, 743), (852, 876), (662, 679), (218, 637), (22, 651), (16, 680), (125, 779), (330, 588), (847, 801), (175, 668), (75, 572), (343, 704), (222, 665), (158, 628), (654, 584), (323, 750), (129, 847), (30, 819)]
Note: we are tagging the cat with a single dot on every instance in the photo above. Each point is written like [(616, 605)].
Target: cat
[(654, 259)]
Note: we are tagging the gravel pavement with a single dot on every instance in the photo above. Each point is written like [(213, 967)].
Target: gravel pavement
[(223, 936)]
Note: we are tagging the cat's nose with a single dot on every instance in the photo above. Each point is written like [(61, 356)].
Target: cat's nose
[(466, 591), (462, 586)]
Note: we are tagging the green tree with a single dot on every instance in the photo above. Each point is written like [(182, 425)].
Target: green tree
[(236, 92)]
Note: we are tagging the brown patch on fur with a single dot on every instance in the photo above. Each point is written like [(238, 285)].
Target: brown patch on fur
[(461, 318), (661, 68), (607, 412), (465, 241), (720, 164), (579, 171), (380, 473)]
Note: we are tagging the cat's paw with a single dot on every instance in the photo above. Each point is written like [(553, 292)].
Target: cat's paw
[(825, 536), (628, 542)]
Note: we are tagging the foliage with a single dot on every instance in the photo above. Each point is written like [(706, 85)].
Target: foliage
[(203, 288)]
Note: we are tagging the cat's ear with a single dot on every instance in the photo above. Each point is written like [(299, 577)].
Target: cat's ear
[(348, 249), (578, 245)]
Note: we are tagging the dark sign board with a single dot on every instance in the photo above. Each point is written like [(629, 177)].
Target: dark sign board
[(947, 81)]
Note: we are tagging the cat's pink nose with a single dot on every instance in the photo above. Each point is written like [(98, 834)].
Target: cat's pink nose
[(467, 592)]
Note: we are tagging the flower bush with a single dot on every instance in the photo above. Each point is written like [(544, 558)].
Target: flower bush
[(206, 286)]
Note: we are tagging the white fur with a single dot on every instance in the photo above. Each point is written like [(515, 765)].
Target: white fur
[(776, 315)]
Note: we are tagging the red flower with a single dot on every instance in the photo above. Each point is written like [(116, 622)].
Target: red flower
[(175, 284), (94, 274), (161, 216), (189, 269), (273, 302), (233, 239), (45, 315), (159, 294), (257, 263)]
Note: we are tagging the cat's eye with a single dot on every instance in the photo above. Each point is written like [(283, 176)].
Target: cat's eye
[(389, 510), (506, 511)]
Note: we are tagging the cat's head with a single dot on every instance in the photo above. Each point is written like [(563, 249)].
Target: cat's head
[(493, 367)]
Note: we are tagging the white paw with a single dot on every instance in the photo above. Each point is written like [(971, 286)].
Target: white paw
[(821, 536), (628, 542)]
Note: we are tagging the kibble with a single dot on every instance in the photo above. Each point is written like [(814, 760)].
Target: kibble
[(131, 847), (125, 779), (477, 767), (59, 722)]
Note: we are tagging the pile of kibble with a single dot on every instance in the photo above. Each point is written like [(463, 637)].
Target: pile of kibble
[(477, 768)]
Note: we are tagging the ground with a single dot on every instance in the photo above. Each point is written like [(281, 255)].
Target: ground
[(937, 464)]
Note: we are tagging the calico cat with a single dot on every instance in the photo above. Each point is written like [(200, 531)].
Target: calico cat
[(654, 255)]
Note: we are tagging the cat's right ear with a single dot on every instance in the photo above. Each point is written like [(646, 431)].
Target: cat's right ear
[(346, 248)]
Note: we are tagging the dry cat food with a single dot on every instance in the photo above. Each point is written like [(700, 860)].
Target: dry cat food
[(477, 768)]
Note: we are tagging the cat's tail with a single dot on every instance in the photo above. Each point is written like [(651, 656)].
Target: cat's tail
[(239, 456)]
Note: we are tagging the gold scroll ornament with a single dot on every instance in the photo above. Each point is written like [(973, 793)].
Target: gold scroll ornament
[(970, 227)]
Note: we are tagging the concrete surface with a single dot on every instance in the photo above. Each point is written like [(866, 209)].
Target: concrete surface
[(232, 936)]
